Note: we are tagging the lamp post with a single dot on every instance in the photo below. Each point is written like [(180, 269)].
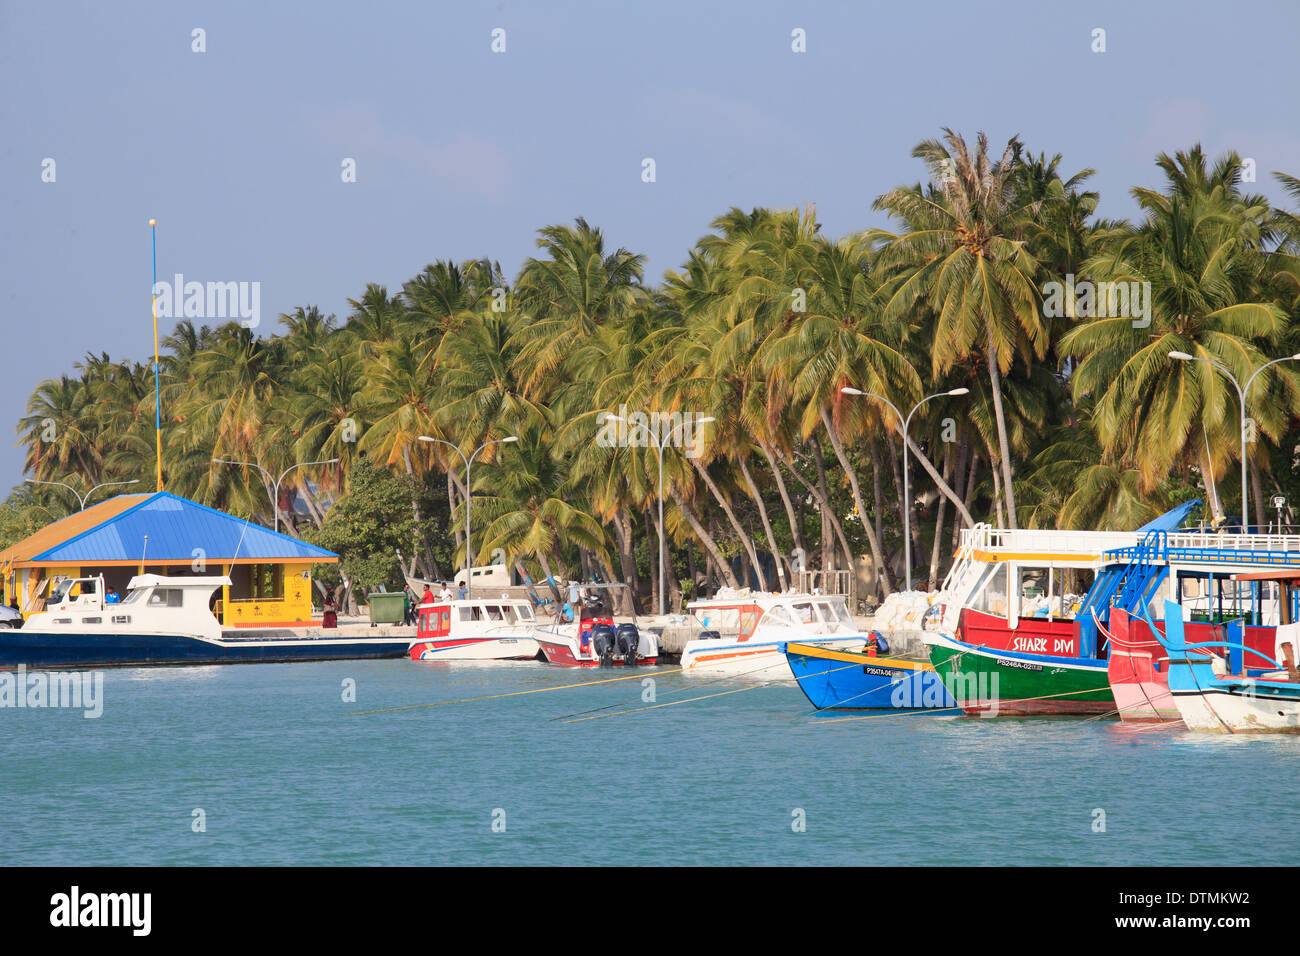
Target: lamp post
[(275, 496), (1241, 398), (659, 450), (82, 499), (906, 423), (469, 568)]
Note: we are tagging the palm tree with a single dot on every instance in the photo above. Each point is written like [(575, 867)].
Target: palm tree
[(964, 252)]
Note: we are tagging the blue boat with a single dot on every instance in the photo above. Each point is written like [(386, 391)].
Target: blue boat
[(849, 680)]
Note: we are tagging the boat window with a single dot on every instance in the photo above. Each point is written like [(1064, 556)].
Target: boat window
[(748, 621), (724, 620), (992, 597), (133, 597), (841, 610), (523, 612), (494, 613), (444, 621), (777, 614), (467, 613), (825, 613), (165, 597), (59, 591), (804, 612)]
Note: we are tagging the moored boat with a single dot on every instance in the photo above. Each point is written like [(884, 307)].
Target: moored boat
[(997, 660), (477, 629), (593, 638), (835, 679), (165, 620), (743, 632), (1214, 695)]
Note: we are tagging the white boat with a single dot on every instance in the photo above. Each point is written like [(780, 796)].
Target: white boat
[(164, 620), (474, 629), (743, 632), (593, 638)]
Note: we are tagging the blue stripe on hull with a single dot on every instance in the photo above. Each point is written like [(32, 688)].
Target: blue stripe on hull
[(104, 650), (834, 685)]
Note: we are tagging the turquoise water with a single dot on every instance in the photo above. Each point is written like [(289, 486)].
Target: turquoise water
[(284, 775)]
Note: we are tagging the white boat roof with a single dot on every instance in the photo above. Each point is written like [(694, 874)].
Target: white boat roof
[(178, 581), (471, 602), (730, 597)]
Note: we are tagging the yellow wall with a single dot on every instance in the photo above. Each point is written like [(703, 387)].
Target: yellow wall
[(295, 607)]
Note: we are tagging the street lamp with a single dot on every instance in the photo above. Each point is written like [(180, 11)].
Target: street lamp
[(906, 423), (275, 497), (659, 449), (1241, 398), (469, 567), (82, 499)]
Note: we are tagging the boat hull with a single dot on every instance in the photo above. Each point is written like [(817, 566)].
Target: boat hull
[(765, 660), (841, 680), (1138, 671), (63, 649), (1002, 683), (1233, 705), (475, 649)]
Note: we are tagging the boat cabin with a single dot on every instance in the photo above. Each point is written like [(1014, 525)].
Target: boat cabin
[(473, 617), (739, 618), (153, 602)]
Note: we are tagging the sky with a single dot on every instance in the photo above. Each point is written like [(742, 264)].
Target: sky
[(461, 151)]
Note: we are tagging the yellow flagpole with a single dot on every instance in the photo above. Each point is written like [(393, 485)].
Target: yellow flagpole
[(157, 400)]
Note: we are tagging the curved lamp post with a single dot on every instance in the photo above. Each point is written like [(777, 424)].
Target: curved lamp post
[(469, 568), (82, 499), (275, 498), (659, 449), (906, 423), (1241, 398)]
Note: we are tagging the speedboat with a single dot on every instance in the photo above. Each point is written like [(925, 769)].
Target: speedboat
[(164, 620), (475, 629), (587, 636), (742, 632)]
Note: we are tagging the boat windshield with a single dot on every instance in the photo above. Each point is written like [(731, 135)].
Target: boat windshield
[(60, 591), (804, 612), (834, 610), (133, 597)]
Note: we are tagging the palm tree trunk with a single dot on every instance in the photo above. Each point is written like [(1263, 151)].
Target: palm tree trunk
[(626, 557), (828, 513), (451, 503), (796, 526), (1207, 476), (745, 539), (1003, 445), (706, 539), (857, 498), (932, 582), (415, 510), (767, 525), (940, 482)]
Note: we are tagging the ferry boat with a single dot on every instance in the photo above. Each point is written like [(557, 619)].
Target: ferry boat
[(1221, 582), (1214, 695), (476, 629), (592, 638), (996, 661), (743, 632), (833, 679), (164, 620)]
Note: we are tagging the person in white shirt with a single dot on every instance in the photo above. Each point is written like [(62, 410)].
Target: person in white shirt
[(445, 593)]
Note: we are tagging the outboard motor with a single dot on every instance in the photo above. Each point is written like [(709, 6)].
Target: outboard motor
[(629, 643), (603, 642)]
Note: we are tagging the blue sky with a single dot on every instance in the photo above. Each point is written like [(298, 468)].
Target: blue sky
[(461, 152)]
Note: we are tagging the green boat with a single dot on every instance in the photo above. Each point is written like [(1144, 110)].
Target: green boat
[(990, 682)]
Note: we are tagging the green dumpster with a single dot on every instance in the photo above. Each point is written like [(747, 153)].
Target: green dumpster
[(386, 608)]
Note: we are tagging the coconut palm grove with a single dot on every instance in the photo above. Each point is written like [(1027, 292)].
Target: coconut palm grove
[(992, 274)]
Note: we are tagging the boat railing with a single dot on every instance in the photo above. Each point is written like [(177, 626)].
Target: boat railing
[(1044, 541)]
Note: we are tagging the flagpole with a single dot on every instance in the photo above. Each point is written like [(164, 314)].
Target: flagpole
[(157, 397)]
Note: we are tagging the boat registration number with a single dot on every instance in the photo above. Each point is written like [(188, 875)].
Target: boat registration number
[(1022, 665), (877, 671)]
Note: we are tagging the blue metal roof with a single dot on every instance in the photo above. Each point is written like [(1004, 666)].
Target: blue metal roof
[(179, 530)]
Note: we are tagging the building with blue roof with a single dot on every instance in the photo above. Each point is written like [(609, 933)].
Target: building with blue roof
[(164, 533)]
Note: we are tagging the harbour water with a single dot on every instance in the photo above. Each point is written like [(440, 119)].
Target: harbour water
[(270, 764)]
